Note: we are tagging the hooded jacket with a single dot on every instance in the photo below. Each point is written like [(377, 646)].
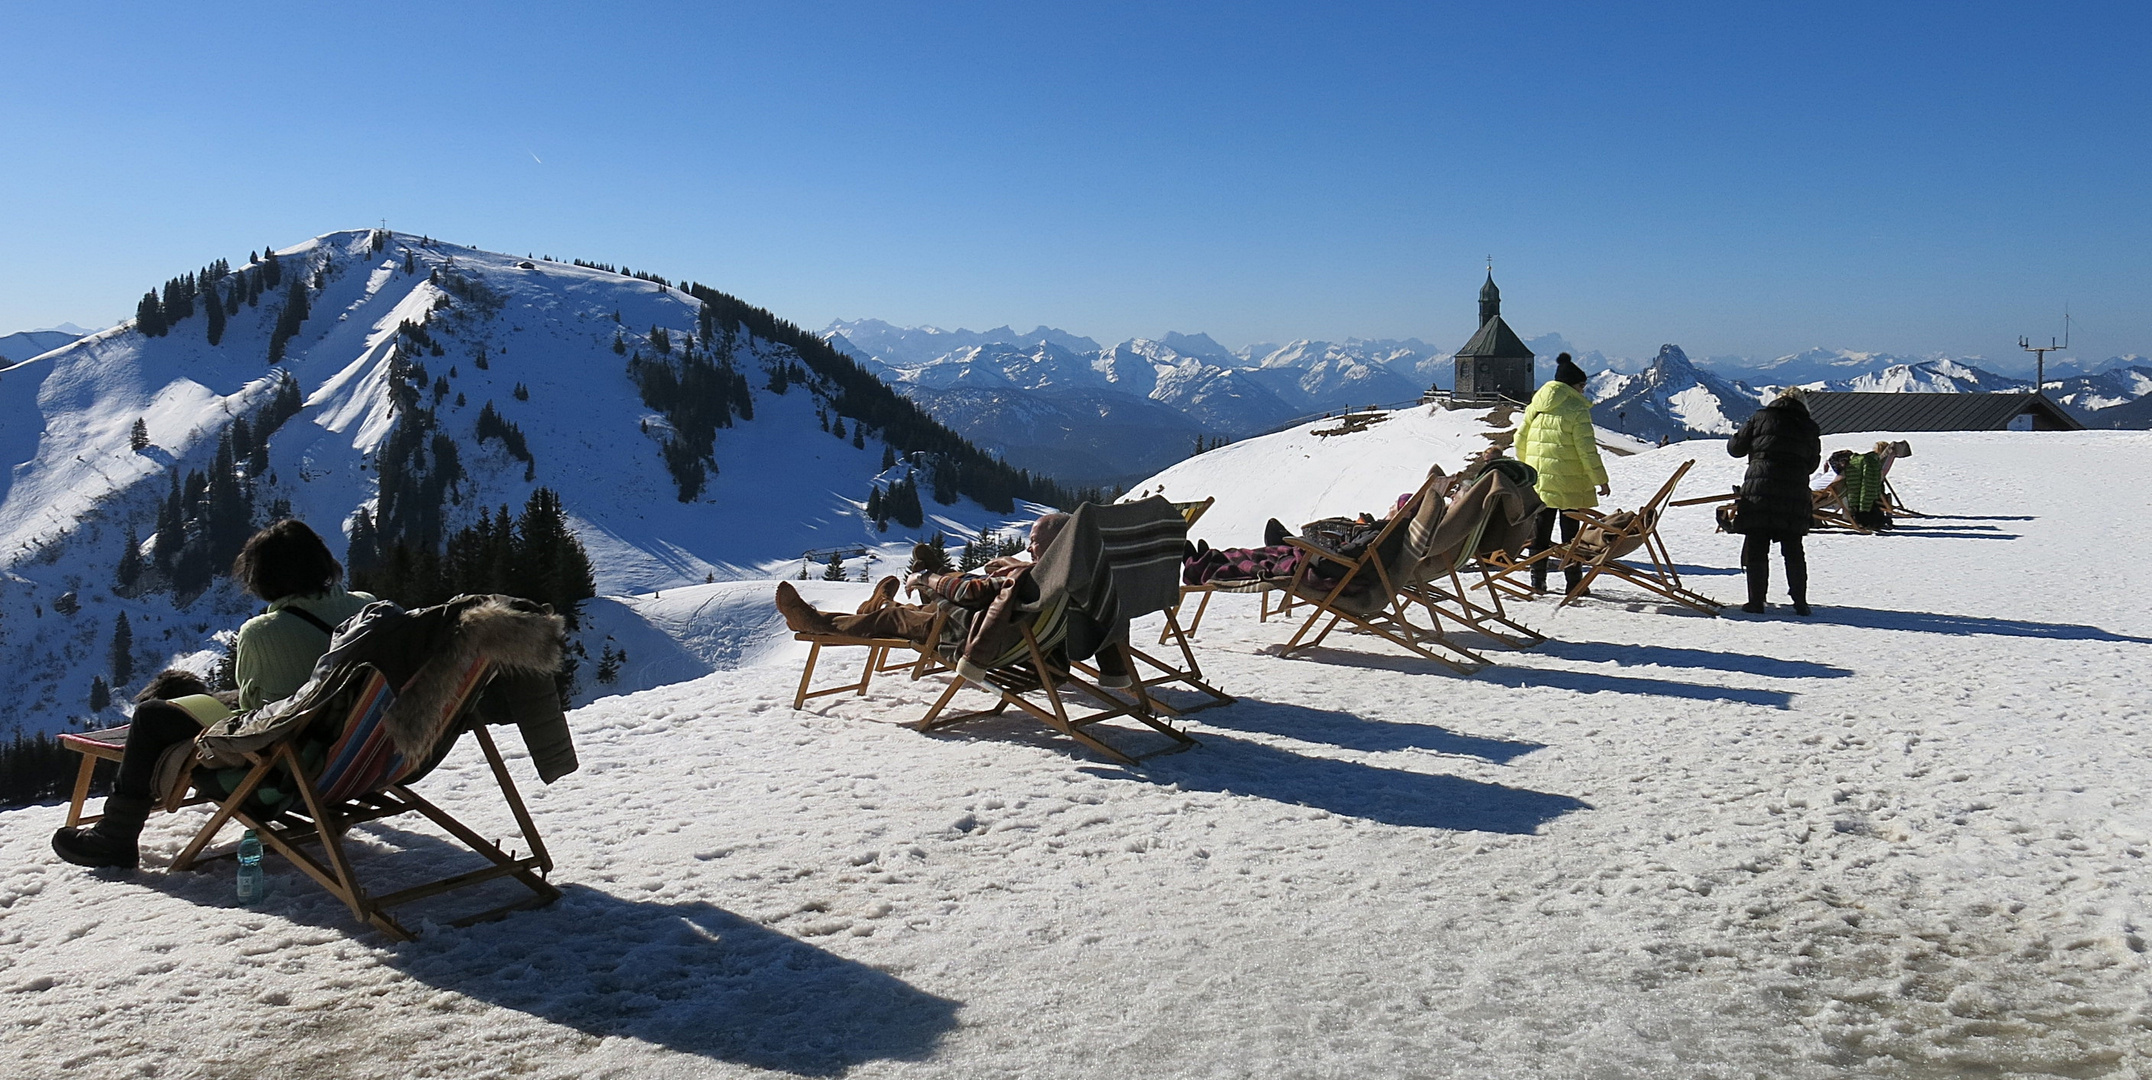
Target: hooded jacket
[(1556, 438), (1784, 448)]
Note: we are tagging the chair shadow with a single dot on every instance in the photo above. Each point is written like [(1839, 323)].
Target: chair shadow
[(1929, 622), (1686, 570), (1586, 682), (1342, 729), (691, 977), (1350, 789), (1962, 533), (688, 976), (1667, 656), (1971, 517)]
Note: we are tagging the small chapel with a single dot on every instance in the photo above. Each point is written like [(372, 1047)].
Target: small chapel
[(1495, 364)]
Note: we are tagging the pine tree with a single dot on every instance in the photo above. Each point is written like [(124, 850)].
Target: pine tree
[(859, 436), (889, 457), (835, 570), (122, 651), (129, 570), (213, 306), (836, 427), (138, 436), (100, 694), (149, 315)]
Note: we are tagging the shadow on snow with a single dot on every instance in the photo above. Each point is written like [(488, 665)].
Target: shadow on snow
[(688, 976), (1930, 622), (1667, 656), (1350, 789)]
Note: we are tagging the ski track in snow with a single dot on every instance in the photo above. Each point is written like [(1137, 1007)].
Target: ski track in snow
[(1906, 838)]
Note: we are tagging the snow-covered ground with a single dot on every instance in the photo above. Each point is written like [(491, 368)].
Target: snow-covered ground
[(1907, 837)]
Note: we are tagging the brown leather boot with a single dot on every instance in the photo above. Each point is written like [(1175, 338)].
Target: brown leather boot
[(799, 615)]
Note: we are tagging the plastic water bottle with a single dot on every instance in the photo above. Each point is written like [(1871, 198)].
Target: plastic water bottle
[(250, 868)]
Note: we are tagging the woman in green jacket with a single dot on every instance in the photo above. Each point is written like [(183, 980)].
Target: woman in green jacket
[(286, 564), (1556, 437)]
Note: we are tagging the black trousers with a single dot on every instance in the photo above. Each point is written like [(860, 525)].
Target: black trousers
[(1756, 556), (157, 726), (1543, 538)]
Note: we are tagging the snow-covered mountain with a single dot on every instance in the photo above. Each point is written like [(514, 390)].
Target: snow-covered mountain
[(1216, 391), (910, 346), (1930, 377), (1672, 398), (2107, 389), (18, 347), (1318, 376), (690, 437), (1810, 367)]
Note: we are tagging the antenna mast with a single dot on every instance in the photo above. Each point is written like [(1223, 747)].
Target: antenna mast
[(2039, 352)]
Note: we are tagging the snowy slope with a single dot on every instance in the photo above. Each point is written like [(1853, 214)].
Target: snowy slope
[(1905, 838), (783, 483), (1296, 475)]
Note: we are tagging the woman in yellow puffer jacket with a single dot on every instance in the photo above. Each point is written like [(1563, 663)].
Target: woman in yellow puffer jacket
[(1556, 438)]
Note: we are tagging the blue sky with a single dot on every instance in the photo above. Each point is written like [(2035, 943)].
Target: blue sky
[(1736, 178)]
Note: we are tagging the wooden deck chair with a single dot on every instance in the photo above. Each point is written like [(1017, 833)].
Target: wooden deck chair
[(1140, 542), (1370, 593), (1263, 589), (1608, 543), (109, 744), (1830, 509), (363, 777), (1495, 510), (879, 651), (1150, 672)]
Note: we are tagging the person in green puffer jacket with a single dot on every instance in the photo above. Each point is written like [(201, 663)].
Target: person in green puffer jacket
[(1556, 438), (1863, 488)]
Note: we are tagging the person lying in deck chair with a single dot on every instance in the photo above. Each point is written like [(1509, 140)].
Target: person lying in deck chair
[(968, 598)]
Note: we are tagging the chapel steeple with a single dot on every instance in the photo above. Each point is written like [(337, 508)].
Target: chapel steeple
[(1495, 365)]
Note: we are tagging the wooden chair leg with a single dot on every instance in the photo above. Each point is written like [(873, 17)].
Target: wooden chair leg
[(814, 653), (82, 790)]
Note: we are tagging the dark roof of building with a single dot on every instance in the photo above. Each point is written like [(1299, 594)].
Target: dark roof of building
[(1842, 412), (1496, 340), (1488, 291)]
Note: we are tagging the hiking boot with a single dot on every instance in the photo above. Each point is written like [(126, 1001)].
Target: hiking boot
[(110, 842), (799, 615), (885, 591), (1753, 607), (1800, 607)]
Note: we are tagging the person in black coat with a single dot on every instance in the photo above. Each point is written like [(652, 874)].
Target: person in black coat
[(1784, 449)]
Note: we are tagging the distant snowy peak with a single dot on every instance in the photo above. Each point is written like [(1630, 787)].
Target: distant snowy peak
[(1197, 345), (16, 348), (1931, 377), (1673, 398), (2107, 389), (1318, 376), (905, 346)]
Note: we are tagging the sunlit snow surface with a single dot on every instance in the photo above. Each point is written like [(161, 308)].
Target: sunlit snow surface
[(1906, 837)]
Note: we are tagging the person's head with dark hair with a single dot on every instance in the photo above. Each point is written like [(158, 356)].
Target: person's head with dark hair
[(286, 559), (1566, 370)]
